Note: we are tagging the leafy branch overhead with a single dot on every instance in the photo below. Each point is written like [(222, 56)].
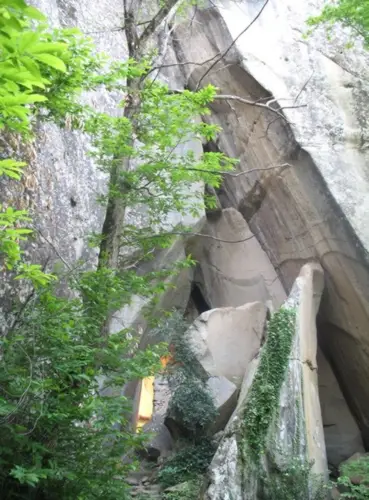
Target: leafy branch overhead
[(55, 422), (352, 14)]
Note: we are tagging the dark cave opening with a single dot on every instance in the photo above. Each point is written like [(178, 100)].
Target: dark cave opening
[(199, 300)]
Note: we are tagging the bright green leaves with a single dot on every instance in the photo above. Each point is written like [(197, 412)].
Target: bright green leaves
[(25, 51), (353, 14), (52, 61), (11, 234), (155, 145), (54, 423), (34, 273), (11, 168)]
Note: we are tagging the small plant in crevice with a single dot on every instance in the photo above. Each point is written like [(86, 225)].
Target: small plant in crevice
[(263, 399)]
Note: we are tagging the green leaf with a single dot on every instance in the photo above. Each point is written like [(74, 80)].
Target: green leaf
[(52, 61), (47, 47), (27, 40), (34, 13), (21, 99)]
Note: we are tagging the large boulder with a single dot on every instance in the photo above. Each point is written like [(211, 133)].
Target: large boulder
[(232, 274), (294, 431), (225, 340), (302, 184)]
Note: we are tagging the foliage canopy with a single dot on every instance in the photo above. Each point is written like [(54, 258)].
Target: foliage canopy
[(353, 14), (64, 422)]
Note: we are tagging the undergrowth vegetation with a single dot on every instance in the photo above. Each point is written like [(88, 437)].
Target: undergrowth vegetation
[(294, 480), (64, 424), (191, 407), (353, 481), (188, 463)]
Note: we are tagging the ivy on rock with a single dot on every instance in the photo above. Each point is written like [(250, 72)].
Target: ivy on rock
[(263, 398)]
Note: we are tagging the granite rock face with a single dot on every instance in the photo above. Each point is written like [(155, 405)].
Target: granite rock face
[(306, 194), (296, 432), (232, 274)]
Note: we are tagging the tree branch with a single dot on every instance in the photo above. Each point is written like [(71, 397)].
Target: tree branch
[(238, 174), (258, 104), (156, 21), (224, 53), (184, 233)]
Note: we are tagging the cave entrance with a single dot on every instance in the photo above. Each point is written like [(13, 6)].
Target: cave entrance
[(199, 300), (197, 304)]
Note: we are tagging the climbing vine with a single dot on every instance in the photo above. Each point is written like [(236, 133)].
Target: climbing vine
[(263, 400)]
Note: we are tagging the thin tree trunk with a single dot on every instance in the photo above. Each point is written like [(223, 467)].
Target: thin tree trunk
[(116, 207)]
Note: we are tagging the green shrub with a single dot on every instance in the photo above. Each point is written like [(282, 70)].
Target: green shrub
[(187, 464), (354, 468), (59, 436), (193, 407)]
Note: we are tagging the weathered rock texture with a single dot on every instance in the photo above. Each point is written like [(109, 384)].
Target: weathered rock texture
[(226, 340), (342, 435), (297, 430), (316, 205), (300, 412), (313, 206)]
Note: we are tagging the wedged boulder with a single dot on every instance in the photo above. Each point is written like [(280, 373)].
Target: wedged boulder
[(232, 274), (341, 432), (278, 414), (225, 395), (225, 340)]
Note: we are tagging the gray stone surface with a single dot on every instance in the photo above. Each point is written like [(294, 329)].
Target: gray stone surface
[(297, 431), (315, 206), (232, 274), (224, 394), (341, 432), (161, 443), (225, 340)]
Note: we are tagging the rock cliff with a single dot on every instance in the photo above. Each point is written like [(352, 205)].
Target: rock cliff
[(299, 198)]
